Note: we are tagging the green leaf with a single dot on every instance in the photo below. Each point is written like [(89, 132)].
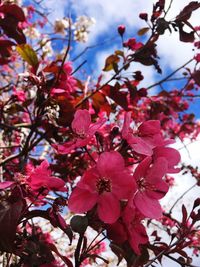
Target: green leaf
[(28, 54), (143, 31), (110, 61), (119, 53)]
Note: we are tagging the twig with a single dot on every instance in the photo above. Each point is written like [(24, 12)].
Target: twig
[(88, 248), (161, 253), (178, 199), (180, 262), (101, 87), (170, 4), (170, 75), (92, 46), (66, 52), (83, 63)]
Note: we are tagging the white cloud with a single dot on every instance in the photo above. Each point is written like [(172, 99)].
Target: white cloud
[(148, 72), (57, 9), (107, 14)]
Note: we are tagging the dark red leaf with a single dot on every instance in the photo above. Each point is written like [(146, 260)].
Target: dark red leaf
[(10, 27), (147, 56), (187, 37), (186, 13), (196, 76), (5, 51), (182, 253), (6, 43), (14, 11), (118, 251), (184, 213), (196, 203), (117, 96), (9, 217)]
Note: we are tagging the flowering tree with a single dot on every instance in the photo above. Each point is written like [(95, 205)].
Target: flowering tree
[(87, 156)]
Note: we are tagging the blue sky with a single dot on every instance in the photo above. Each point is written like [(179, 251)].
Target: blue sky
[(110, 14)]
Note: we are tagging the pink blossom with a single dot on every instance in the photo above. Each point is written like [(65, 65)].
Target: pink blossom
[(40, 177), (171, 155), (84, 130), (132, 44), (55, 92), (66, 84), (147, 137), (136, 231), (104, 185), (150, 185), (19, 94), (129, 228), (67, 81), (6, 184), (197, 57)]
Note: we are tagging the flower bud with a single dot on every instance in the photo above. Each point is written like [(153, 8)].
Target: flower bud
[(121, 29), (79, 224), (143, 16)]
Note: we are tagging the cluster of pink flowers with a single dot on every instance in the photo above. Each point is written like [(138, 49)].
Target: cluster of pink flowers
[(83, 129), (40, 177), (132, 44), (122, 196), (66, 83), (37, 181)]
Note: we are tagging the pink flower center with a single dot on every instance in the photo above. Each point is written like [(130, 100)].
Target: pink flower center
[(21, 178), (81, 133), (144, 185), (103, 185)]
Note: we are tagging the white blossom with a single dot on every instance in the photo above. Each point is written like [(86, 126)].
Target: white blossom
[(81, 26), (45, 44), (32, 32), (17, 2), (61, 25)]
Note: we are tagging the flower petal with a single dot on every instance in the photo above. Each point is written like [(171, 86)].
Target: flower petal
[(108, 208), (138, 236), (148, 206), (123, 184), (110, 162), (6, 184), (142, 168), (81, 200), (95, 126), (81, 121), (160, 190), (171, 155), (126, 125), (140, 146), (117, 232), (157, 170), (89, 180), (150, 127), (65, 148), (55, 183)]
